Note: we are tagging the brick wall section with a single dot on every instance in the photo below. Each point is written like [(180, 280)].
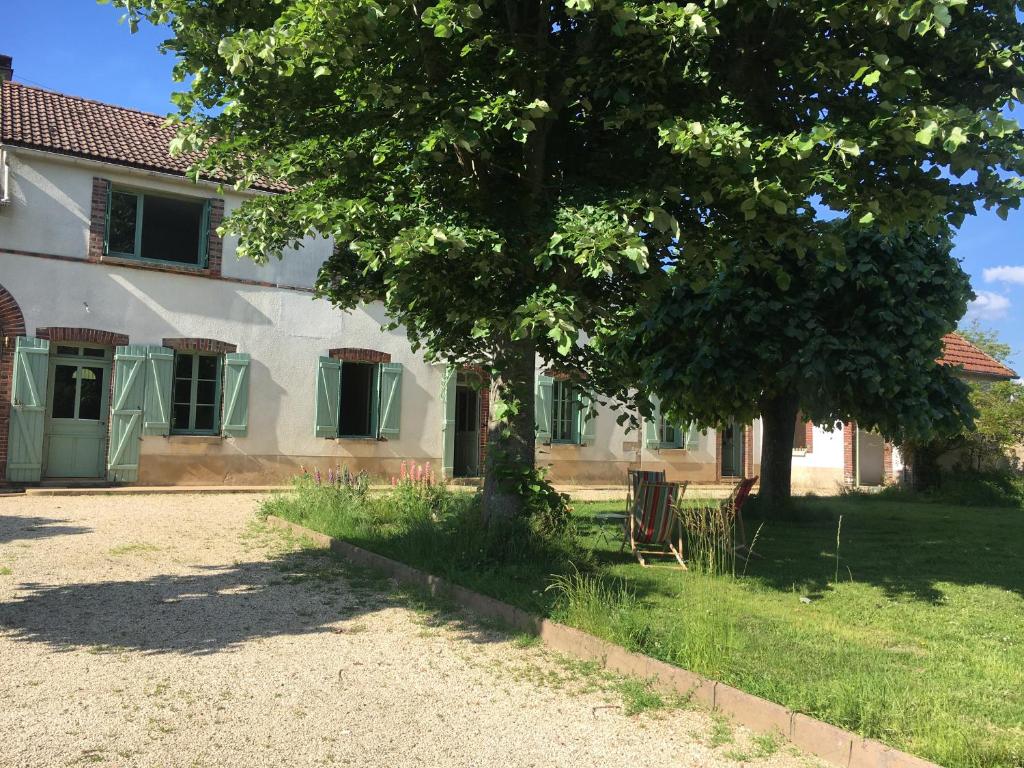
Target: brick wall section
[(200, 345), (82, 335), (718, 454), (12, 325), (809, 436), (887, 463), (98, 218), (849, 436), (215, 244), (356, 355)]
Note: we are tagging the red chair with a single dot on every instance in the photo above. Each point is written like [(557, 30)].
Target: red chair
[(652, 526)]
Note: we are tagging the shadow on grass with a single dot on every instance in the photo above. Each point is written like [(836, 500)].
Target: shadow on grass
[(298, 593), (19, 528), (907, 549)]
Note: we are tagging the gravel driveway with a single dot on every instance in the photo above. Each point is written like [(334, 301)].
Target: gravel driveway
[(179, 631)]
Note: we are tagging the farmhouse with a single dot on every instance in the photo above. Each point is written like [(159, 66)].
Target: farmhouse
[(136, 348)]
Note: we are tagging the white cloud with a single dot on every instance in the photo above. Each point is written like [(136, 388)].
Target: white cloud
[(1004, 275), (989, 306)]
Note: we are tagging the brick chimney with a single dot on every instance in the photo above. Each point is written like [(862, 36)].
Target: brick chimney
[(6, 67)]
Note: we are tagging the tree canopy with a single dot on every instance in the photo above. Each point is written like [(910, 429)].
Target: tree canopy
[(508, 176)]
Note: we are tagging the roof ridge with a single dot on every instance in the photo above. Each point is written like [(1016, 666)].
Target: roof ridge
[(73, 97)]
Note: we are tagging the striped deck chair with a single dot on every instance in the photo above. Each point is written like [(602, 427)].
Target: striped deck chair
[(734, 506), (636, 476), (652, 527)]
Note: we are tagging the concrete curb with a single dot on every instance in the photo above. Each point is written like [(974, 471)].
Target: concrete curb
[(839, 747)]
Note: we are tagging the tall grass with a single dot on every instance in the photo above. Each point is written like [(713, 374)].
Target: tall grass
[(709, 538), (430, 526)]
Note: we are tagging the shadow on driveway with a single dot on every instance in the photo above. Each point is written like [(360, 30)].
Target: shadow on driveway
[(223, 606)]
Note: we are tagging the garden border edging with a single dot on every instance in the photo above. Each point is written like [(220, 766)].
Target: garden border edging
[(837, 746)]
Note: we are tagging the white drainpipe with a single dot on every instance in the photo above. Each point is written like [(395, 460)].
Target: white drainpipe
[(5, 178)]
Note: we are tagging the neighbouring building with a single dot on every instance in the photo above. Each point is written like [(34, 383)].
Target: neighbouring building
[(136, 348)]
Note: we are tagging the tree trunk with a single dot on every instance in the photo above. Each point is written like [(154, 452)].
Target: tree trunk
[(511, 440), (778, 421)]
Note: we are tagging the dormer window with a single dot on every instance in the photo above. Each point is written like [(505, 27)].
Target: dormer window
[(159, 228)]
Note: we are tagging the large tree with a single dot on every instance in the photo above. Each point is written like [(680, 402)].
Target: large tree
[(503, 174), (844, 340)]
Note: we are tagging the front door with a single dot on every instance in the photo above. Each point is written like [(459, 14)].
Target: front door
[(467, 431), (76, 414), (732, 450)]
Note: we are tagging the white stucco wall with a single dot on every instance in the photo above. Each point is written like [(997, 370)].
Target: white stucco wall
[(51, 198), (284, 331)]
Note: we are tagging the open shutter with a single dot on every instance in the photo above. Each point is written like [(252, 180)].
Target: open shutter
[(236, 394), (156, 410), (328, 394), (126, 414), (28, 405), (204, 236), (588, 419), (448, 383), (106, 223), (651, 437), (692, 437), (542, 408), (390, 400)]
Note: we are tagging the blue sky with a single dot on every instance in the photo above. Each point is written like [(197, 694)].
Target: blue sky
[(78, 47)]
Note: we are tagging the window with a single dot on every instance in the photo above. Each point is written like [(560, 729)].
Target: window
[(196, 396), (800, 434), (668, 433), (564, 404), (79, 386), (357, 415), (157, 228)]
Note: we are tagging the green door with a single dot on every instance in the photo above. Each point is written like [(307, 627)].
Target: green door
[(76, 413)]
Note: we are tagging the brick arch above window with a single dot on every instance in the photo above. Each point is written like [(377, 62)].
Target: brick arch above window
[(61, 335), (194, 344), (359, 355), (12, 321)]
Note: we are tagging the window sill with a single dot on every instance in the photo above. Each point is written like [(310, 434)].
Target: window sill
[(800, 451), (195, 439), (157, 266), (364, 438)]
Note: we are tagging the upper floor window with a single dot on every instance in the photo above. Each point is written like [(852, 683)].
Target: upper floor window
[(157, 228)]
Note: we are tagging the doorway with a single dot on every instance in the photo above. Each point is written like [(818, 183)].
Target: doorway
[(467, 426), (75, 430), (732, 450), (870, 458)]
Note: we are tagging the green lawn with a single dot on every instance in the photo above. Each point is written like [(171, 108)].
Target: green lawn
[(918, 643)]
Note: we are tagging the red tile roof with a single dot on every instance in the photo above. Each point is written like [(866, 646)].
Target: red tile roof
[(958, 351), (70, 125)]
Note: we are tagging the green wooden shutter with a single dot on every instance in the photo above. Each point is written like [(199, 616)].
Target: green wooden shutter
[(651, 436), (126, 413), (106, 222), (236, 394), (542, 408), (588, 419), (28, 406), (156, 410), (692, 437), (204, 235), (448, 384), (328, 394), (390, 400)]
